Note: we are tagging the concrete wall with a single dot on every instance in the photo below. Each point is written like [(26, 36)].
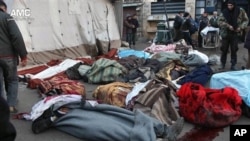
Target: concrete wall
[(190, 7)]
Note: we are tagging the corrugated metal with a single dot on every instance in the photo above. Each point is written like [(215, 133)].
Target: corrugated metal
[(171, 7)]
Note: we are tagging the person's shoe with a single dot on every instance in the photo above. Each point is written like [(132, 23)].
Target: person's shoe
[(13, 110), (222, 67), (174, 130), (233, 68), (41, 125)]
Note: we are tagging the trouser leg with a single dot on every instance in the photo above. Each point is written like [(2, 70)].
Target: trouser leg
[(224, 50), (12, 82), (234, 48)]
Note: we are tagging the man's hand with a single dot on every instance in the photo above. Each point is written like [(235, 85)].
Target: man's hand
[(238, 29), (231, 27), (23, 61)]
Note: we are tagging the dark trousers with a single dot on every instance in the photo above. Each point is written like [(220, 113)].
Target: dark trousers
[(133, 38), (187, 38), (230, 41), (11, 82), (129, 38), (248, 60), (7, 130), (200, 38), (177, 35)]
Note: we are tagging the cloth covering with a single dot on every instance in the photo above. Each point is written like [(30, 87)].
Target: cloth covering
[(157, 101), (209, 29), (104, 71), (129, 52), (209, 107), (192, 60), (203, 56), (114, 93), (236, 79), (41, 106), (200, 74), (122, 124)]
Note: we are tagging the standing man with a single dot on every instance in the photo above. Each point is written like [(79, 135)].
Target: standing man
[(203, 22), (177, 25), (185, 28), (232, 21), (12, 47), (135, 22), (128, 29), (213, 22)]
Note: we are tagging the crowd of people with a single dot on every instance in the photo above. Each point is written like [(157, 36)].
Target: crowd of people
[(231, 22)]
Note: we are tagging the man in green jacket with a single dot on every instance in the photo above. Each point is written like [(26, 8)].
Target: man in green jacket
[(12, 47), (232, 21)]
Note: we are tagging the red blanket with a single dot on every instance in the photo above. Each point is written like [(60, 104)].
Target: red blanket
[(209, 107)]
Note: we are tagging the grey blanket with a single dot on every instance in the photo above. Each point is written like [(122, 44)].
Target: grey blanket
[(109, 123)]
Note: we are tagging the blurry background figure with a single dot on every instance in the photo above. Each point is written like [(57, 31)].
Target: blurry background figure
[(134, 22), (193, 31), (185, 28), (194, 26), (128, 29), (213, 21), (177, 25), (247, 46), (203, 22)]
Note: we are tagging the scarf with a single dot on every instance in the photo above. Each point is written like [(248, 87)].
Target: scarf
[(231, 16)]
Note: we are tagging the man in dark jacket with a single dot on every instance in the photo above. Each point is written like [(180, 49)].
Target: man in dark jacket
[(12, 47), (232, 21), (128, 29), (203, 22), (134, 22), (177, 25), (185, 28)]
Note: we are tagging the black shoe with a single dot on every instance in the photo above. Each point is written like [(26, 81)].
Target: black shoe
[(222, 67), (41, 125), (233, 68)]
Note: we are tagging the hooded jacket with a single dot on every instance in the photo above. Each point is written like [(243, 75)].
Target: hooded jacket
[(236, 18)]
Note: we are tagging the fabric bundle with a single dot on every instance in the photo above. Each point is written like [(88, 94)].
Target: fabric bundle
[(209, 107)]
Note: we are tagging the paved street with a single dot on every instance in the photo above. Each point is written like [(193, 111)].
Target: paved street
[(28, 97)]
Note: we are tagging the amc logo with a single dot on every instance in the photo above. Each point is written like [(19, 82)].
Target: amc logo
[(20, 13)]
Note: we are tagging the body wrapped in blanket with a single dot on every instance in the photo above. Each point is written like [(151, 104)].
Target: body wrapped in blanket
[(92, 121)]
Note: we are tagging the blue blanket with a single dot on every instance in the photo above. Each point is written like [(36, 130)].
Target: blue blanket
[(236, 79)]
